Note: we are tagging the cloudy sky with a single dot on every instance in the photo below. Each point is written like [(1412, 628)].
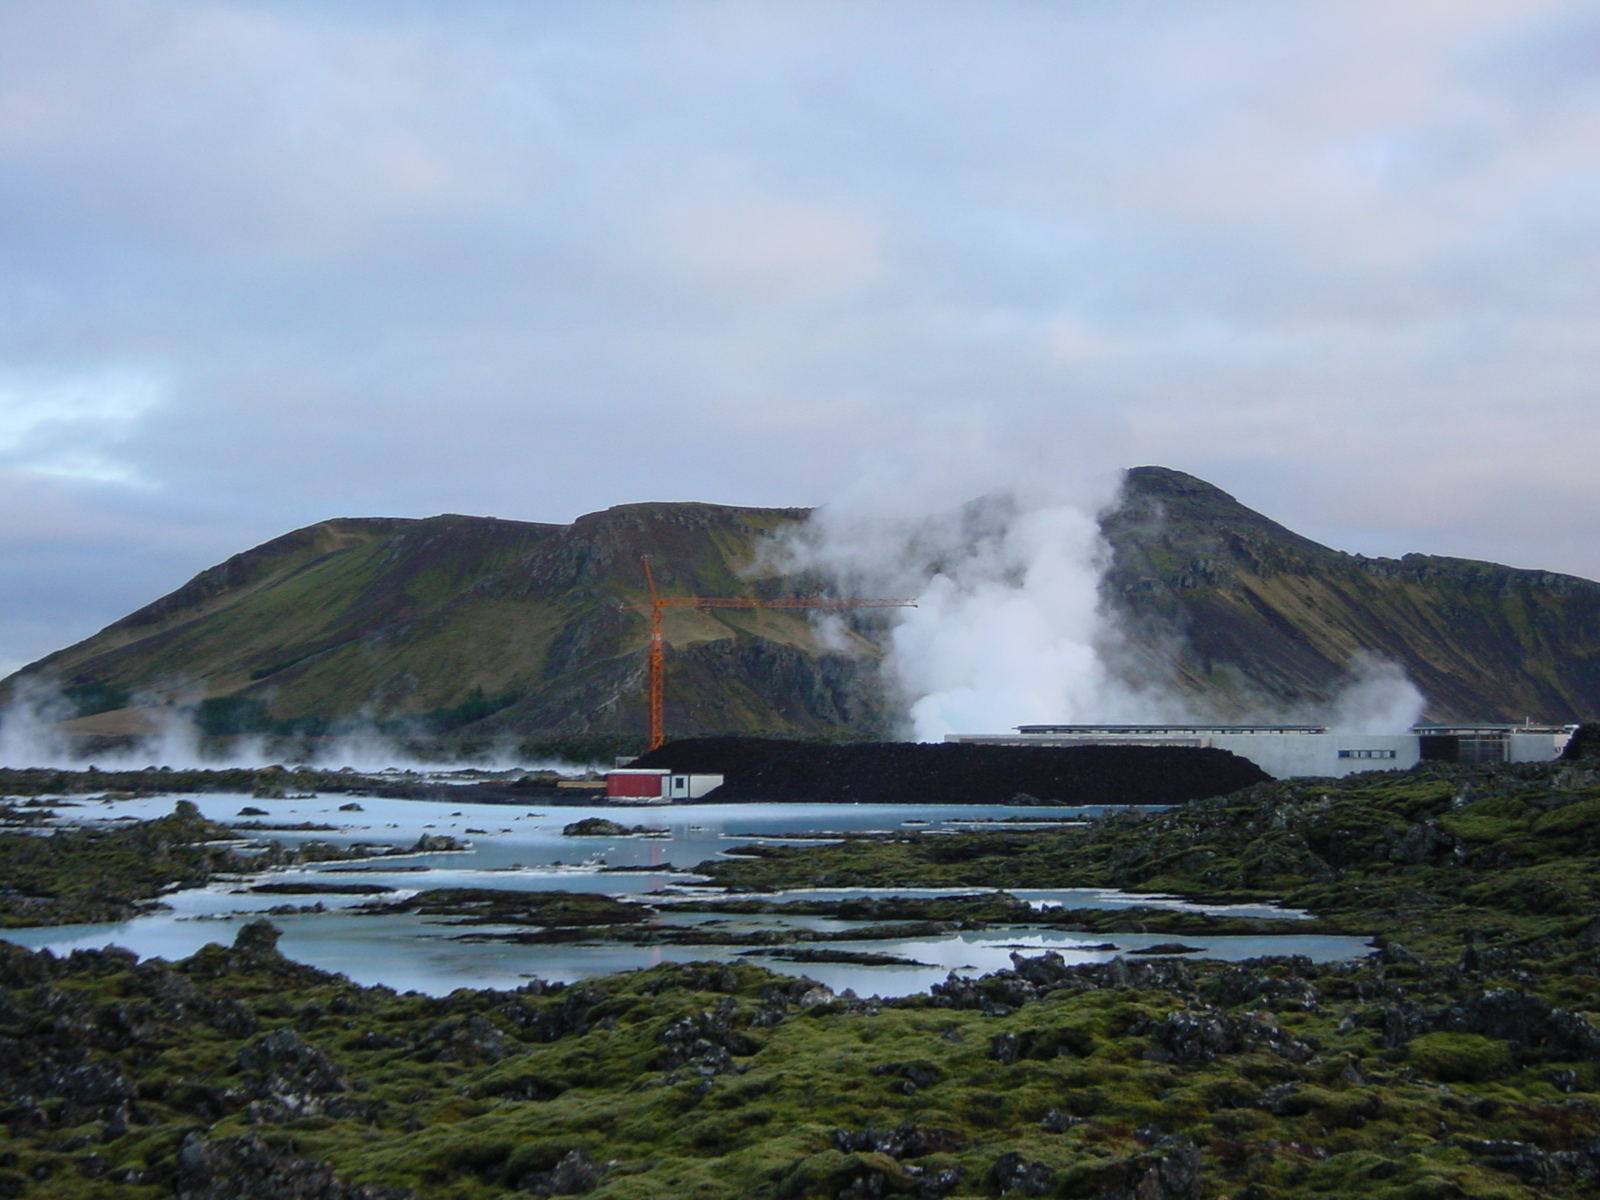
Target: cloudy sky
[(266, 263)]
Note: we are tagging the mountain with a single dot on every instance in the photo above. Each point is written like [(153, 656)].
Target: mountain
[(473, 625), (452, 622), (1230, 607)]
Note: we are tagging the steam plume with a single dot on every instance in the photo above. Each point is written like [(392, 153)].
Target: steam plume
[(30, 736), (1010, 627)]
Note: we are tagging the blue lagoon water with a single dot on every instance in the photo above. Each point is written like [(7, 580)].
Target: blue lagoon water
[(517, 847)]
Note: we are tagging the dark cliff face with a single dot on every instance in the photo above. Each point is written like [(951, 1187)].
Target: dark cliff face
[(478, 625)]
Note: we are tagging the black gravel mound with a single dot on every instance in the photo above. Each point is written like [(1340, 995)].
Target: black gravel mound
[(952, 773), (1585, 743), (719, 755)]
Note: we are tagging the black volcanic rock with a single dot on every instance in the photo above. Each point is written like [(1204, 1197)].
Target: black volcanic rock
[(953, 773), (717, 755)]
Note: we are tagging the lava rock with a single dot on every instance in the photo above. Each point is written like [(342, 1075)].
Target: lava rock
[(465, 1040), (705, 1043), (1204, 1035), (574, 1175), (257, 938), (1248, 982), (1528, 1163), (1533, 1027), (550, 1023), (246, 1168), (1056, 1121), (434, 843), (1013, 1176), (600, 827), (1005, 1048), (1167, 948), (906, 1140), (287, 1079), (1171, 1171)]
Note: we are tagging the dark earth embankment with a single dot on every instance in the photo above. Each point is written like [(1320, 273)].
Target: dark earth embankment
[(718, 755), (761, 770)]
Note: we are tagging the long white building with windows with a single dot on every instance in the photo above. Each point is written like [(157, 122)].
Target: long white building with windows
[(1292, 751)]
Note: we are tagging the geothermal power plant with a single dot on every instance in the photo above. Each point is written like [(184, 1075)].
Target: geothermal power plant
[(1299, 751), (1079, 764)]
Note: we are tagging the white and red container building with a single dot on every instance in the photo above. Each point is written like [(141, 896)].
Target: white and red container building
[(656, 785)]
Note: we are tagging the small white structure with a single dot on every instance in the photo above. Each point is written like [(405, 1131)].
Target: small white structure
[(691, 787), (1289, 751)]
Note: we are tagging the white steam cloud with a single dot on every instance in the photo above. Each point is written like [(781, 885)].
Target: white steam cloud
[(31, 735), (28, 733), (1010, 627), (1378, 699)]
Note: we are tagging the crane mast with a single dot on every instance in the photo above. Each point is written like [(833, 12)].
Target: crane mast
[(659, 604)]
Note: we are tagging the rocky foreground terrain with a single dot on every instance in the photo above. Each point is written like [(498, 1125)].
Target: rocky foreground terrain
[(1461, 1058)]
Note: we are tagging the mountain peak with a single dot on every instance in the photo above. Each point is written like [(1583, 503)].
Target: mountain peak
[(1169, 525)]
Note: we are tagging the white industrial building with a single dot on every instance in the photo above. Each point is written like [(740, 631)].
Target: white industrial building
[(1290, 751)]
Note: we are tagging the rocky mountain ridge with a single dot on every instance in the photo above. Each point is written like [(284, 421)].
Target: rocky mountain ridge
[(475, 626)]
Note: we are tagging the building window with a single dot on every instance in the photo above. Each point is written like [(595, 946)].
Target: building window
[(1366, 754)]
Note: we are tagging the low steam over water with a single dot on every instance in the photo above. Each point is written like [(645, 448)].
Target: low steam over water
[(522, 848)]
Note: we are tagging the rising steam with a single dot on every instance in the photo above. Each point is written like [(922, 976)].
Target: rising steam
[(31, 736), (1010, 627)]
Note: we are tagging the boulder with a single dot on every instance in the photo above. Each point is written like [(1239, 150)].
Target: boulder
[(246, 1168), (906, 1140), (1203, 1035), (1171, 1171), (574, 1175), (470, 1039), (706, 1042), (1016, 1177)]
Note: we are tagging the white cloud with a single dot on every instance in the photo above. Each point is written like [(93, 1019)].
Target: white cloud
[(1337, 256), (73, 425)]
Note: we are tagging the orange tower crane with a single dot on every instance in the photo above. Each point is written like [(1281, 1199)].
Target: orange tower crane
[(659, 603)]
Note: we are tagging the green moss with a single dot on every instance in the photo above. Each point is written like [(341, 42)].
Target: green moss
[(1345, 1102), (1458, 1057)]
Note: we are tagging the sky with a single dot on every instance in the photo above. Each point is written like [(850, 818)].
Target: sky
[(263, 264)]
